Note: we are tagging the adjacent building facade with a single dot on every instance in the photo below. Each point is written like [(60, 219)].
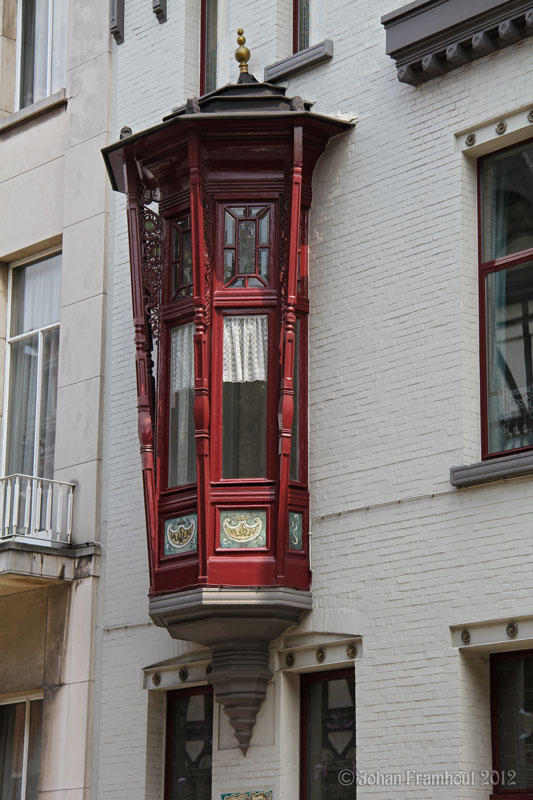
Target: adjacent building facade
[(303, 292)]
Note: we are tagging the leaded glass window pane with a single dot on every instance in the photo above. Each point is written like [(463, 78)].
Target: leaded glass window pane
[(182, 258), (189, 746), (509, 317), (246, 246), (294, 471), (329, 709), (513, 676)]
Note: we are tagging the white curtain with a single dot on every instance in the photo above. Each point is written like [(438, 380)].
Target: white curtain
[(182, 358), (245, 349), (35, 295)]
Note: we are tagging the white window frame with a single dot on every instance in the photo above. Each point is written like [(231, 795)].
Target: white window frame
[(24, 262), (15, 700), (18, 71)]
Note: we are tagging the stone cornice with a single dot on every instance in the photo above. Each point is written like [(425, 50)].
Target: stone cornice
[(430, 37)]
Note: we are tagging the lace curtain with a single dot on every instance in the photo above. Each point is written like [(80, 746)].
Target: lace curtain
[(245, 349), (182, 358)]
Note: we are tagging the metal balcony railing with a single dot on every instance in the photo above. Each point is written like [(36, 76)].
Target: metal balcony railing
[(36, 508)]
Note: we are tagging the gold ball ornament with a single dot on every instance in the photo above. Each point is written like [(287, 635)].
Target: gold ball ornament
[(242, 54)]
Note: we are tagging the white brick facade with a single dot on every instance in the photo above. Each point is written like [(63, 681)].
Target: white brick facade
[(398, 554)]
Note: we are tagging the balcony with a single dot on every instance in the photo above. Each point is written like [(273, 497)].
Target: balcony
[(36, 526), (36, 508)]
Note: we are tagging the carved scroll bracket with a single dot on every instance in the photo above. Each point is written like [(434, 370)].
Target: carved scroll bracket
[(152, 266)]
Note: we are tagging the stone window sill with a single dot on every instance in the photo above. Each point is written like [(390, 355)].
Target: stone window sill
[(496, 469), (43, 106), (299, 62)]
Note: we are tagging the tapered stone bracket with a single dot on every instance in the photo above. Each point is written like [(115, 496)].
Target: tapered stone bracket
[(238, 625)]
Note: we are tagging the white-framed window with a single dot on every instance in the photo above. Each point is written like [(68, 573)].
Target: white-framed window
[(20, 747), (31, 367), (41, 49)]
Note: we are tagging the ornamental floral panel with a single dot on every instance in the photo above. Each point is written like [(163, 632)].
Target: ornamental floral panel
[(295, 531), (181, 534), (264, 794), (243, 528)]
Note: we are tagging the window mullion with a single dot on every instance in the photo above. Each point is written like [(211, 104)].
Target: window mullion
[(38, 404), (25, 750)]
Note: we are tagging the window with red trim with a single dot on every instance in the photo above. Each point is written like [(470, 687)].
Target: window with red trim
[(208, 46), (189, 744), (512, 724), (327, 735), (300, 31), (506, 299)]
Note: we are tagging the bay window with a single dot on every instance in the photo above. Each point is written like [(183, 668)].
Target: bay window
[(31, 368), (327, 735), (20, 748), (41, 42), (189, 744), (512, 729), (506, 298)]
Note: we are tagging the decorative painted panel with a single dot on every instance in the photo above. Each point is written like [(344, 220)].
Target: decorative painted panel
[(242, 528), (295, 531), (264, 794), (181, 534)]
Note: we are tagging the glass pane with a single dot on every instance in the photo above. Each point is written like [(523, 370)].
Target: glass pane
[(303, 24), (244, 401), (22, 400), (47, 432), (246, 246), (34, 750), (507, 202), (187, 258), (239, 212), (34, 52), (229, 228), (295, 440), (182, 443), (12, 719), (35, 295), (330, 717), (189, 748), (514, 680), (509, 312), (255, 282), (176, 240), (229, 265), (256, 210), (210, 34), (264, 229), (263, 262), (184, 223), (59, 45)]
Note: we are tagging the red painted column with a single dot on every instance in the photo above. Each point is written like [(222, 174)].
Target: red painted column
[(286, 401), (143, 360), (202, 275)]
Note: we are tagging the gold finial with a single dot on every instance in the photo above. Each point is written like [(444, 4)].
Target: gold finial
[(242, 54)]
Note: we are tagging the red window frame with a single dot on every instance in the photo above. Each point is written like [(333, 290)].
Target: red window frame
[(296, 28), (204, 23), (206, 689), (306, 680), (501, 792), (485, 268)]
